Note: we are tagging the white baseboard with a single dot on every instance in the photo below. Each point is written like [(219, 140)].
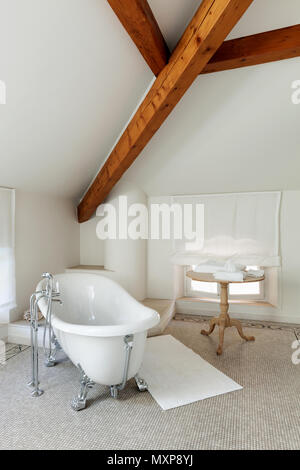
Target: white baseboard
[(243, 312), (19, 333), (3, 331)]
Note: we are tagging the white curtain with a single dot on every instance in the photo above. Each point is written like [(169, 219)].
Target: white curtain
[(241, 226), (7, 251)]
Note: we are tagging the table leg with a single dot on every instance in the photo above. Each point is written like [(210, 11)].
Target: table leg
[(222, 326), (238, 326), (213, 322), (224, 320), (224, 305)]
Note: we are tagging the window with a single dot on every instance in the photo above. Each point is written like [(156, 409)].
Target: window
[(239, 226), (7, 256), (211, 290)]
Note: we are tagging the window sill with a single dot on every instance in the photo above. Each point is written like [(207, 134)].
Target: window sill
[(86, 268), (262, 303)]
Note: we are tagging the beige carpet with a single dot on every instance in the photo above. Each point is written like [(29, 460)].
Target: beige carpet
[(264, 415)]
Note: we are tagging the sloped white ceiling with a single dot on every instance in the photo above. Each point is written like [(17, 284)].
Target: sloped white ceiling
[(74, 77), (232, 131)]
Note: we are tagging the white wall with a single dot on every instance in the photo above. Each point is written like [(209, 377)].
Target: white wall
[(162, 279), (127, 258), (124, 260), (233, 131), (290, 252), (47, 239), (91, 247), (160, 272)]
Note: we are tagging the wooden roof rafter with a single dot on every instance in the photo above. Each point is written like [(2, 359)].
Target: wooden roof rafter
[(278, 44), (201, 50), (209, 27), (137, 18)]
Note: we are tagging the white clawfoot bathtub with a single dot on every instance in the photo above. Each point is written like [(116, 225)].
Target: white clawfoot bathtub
[(95, 317)]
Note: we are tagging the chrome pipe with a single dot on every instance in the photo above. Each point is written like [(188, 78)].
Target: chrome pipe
[(114, 389), (51, 295), (37, 392), (32, 298)]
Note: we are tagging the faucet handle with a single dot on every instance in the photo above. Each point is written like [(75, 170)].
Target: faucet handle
[(47, 275), (49, 284)]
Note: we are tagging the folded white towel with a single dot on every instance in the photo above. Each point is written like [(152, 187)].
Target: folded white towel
[(255, 272), (209, 268), (226, 276), (232, 267), (212, 267)]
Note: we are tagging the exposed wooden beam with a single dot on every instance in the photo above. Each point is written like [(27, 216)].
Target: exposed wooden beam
[(211, 24), (137, 18), (256, 49)]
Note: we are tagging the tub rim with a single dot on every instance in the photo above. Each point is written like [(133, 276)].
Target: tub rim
[(106, 330), (142, 324)]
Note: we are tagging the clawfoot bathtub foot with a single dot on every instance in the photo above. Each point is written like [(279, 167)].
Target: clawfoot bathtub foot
[(50, 361), (79, 402), (114, 391), (37, 393), (141, 383)]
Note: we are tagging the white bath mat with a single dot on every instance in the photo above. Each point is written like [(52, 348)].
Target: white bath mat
[(177, 376)]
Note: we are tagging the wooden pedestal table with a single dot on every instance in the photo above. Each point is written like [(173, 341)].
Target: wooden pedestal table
[(224, 320)]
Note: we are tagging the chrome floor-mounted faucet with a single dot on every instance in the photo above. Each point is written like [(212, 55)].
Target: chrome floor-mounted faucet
[(52, 295)]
